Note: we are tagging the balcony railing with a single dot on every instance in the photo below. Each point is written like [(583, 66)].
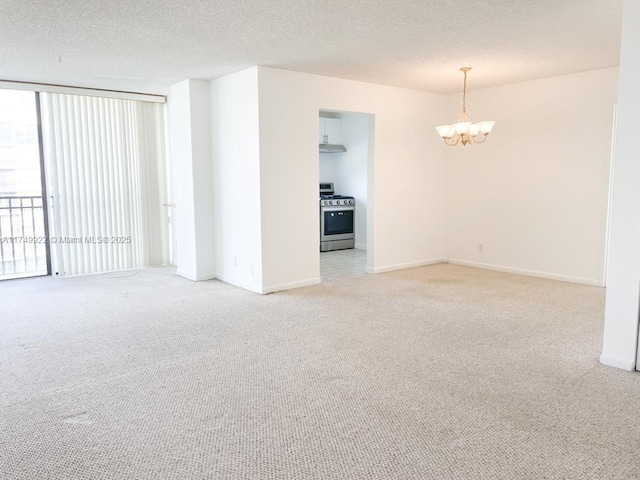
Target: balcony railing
[(23, 241)]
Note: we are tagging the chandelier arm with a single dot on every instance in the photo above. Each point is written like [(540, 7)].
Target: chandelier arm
[(455, 142), (484, 138)]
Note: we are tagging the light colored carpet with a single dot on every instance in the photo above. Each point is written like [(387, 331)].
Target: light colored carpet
[(435, 372)]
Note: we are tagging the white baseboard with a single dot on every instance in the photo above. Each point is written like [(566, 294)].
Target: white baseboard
[(618, 362), (530, 273), (289, 286), (360, 246), (401, 266), (236, 283), (268, 289), (196, 278)]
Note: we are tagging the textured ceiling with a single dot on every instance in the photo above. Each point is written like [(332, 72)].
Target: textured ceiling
[(147, 45)]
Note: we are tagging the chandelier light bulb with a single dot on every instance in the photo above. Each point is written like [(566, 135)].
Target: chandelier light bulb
[(461, 127), (463, 131), (485, 127)]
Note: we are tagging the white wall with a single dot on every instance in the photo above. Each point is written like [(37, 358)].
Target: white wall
[(155, 224), (623, 268), (236, 179), (179, 147), (329, 170), (189, 128), (536, 193), (348, 170), (408, 166)]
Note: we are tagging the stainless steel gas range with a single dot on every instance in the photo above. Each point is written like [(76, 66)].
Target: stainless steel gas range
[(337, 220)]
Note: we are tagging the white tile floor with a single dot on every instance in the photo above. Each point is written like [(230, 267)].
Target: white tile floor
[(342, 264)]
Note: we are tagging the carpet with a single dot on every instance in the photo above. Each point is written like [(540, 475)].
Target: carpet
[(433, 372)]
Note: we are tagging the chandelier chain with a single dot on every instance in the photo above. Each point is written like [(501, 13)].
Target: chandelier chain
[(464, 93), (463, 115)]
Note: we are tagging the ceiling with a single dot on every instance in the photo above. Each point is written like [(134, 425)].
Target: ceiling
[(147, 45)]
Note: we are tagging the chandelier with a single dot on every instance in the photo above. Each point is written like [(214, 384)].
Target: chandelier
[(464, 131)]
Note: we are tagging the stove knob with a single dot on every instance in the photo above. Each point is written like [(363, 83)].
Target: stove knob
[(330, 202), (338, 202)]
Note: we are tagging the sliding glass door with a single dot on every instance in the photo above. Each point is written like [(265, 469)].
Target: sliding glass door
[(101, 164), (24, 244), (105, 177)]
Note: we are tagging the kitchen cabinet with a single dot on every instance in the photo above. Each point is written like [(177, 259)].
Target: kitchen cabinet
[(330, 131)]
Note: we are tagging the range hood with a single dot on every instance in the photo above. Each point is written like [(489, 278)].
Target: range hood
[(329, 148)]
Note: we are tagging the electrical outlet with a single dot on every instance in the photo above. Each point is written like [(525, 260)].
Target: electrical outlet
[(481, 248)]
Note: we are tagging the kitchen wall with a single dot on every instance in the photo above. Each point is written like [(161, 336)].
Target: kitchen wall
[(535, 195), (405, 227), (348, 170)]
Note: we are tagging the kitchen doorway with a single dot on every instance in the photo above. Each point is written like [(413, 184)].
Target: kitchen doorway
[(346, 164)]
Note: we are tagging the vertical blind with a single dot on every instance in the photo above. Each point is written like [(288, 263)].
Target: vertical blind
[(106, 181)]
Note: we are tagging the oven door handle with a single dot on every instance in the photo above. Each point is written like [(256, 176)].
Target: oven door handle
[(337, 208)]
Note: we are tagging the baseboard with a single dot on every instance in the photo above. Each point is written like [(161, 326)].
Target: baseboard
[(531, 273), (360, 246), (618, 362), (402, 266), (196, 278), (289, 286), (236, 283)]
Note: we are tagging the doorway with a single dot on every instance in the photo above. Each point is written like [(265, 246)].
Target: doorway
[(350, 173), (24, 246)]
